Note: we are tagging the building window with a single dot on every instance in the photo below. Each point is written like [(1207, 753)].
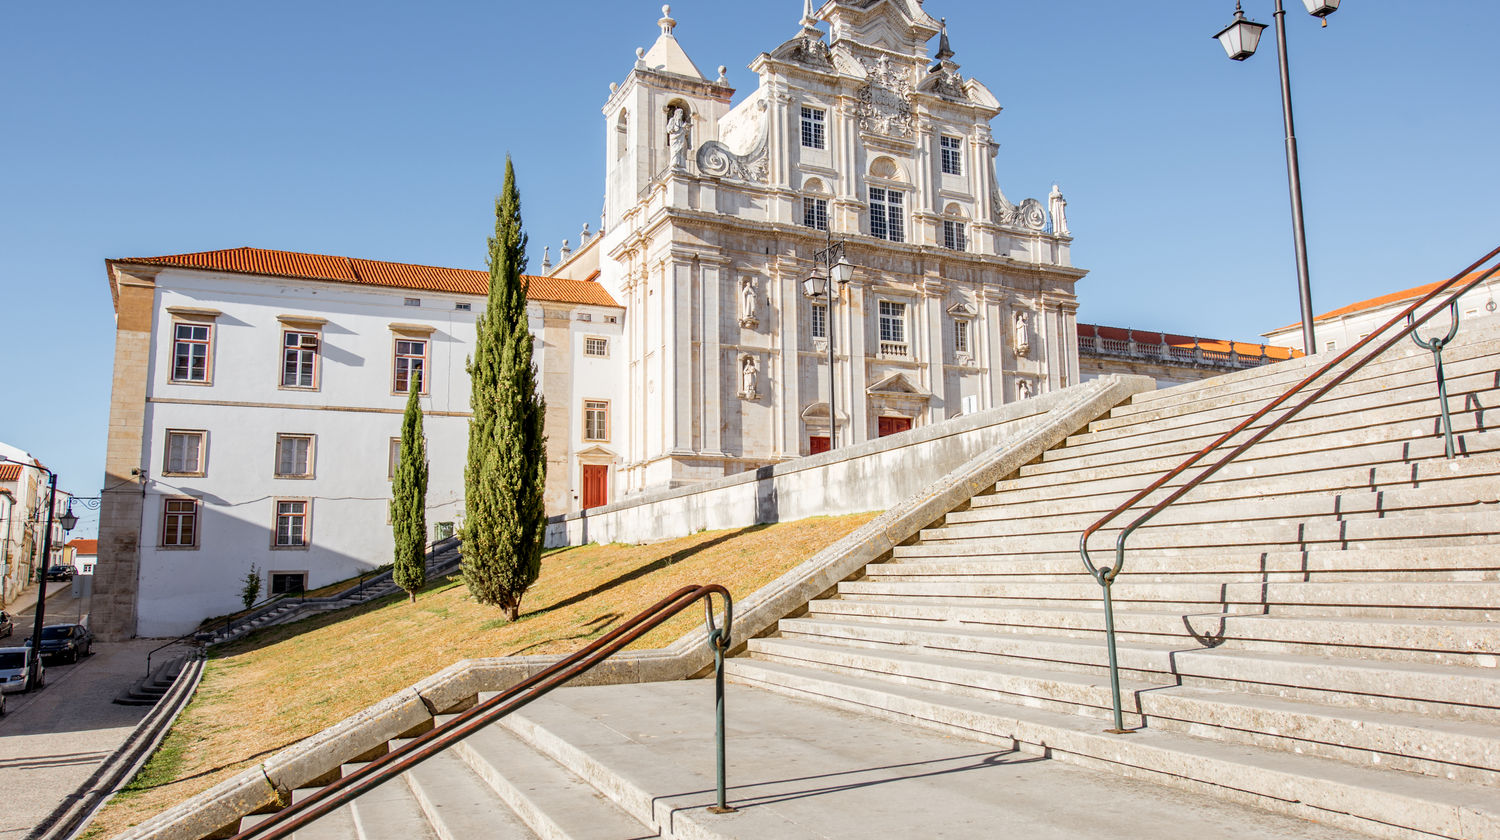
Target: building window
[(299, 359), (820, 320), (950, 149), (815, 212), (190, 352), (892, 328), (961, 336), (184, 453), (595, 420), (622, 135), (179, 523), (411, 361), (596, 347), (814, 134), (294, 456), (463, 307), (953, 236), (411, 301), (393, 458), (288, 583), (886, 221), (291, 523), (1331, 346)]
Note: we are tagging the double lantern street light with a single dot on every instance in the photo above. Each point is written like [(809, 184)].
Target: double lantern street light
[(68, 520), (1240, 39), (821, 287)]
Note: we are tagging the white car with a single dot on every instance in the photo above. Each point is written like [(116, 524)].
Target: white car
[(14, 668)]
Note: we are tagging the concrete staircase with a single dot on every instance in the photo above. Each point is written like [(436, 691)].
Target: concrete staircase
[(1309, 646)]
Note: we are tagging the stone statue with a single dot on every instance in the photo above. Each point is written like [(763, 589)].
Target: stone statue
[(1023, 389), (748, 374), (1059, 209), (677, 139), (748, 303), (1021, 333)]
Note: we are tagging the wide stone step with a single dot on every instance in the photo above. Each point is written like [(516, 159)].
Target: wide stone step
[(1377, 801), (1467, 644), (458, 804)]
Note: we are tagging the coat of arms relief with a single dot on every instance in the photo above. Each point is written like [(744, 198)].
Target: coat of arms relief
[(885, 100)]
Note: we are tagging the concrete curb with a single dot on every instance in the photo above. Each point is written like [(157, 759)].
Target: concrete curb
[(265, 786), (73, 815)]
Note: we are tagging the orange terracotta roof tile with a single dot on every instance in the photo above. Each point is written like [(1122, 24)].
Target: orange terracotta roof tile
[(84, 546), (10, 472), (1383, 300), (374, 273), (1216, 344)]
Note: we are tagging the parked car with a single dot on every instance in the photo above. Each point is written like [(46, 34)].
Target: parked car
[(15, 666), (61, 571), (7, 626), (66, 641)]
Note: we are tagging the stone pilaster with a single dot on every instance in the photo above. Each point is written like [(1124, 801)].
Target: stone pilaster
[(557, 387)]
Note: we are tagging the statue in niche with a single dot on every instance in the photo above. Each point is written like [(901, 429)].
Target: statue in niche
[(1023, 389), (748, 303), (1021, 333), (748, 374), (677, 136)]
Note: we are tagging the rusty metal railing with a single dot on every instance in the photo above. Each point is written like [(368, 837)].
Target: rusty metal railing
[(1105, 575), (338, 793)]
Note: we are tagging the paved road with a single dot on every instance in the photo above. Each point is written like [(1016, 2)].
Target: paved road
[(52, 740)]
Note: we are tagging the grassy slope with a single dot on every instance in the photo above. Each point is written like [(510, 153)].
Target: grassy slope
[(283, 684)]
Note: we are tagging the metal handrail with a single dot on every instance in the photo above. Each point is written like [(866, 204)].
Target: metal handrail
[(338, 793), (1105, 575), (157, 650)]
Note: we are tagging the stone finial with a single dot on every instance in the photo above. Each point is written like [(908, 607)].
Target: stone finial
[(583, 238), (640, 56), (546, 259), (723, 76), (564, 252), (666, 23), (945, 51), (808, 21), (614, 88)]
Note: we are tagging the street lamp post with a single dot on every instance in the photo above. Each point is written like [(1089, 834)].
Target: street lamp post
[(821, 286), (1240, 39), (68, 521)]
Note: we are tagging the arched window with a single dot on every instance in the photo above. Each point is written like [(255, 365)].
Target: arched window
[(622, 135)]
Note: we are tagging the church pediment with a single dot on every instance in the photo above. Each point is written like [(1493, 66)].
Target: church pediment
[(597, 455), (898, 387), (962, 310), (900, 26)]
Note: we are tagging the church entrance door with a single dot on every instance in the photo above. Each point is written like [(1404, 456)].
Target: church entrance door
[(595, 485), (892, 425)]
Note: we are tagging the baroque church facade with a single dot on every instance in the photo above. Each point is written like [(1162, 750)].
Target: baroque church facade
[(715, 214)]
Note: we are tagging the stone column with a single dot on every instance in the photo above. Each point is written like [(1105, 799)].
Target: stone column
[(712, 278), (117, 574), (851, 337), (677, 376), (937, 407)]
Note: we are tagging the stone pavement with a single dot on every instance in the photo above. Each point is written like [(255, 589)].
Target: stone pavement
[(52, 740)]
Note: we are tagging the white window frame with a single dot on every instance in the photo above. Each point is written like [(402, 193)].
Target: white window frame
[(590, 409), (891, 331), (961, 336), (393, 458), (951, 154), (815, 212), (814, 125), (887, 214), (397, 357), (818, 324), (603, 344), (206, 376), (302, 349), (201, 461), (281, 441), (955, 236)]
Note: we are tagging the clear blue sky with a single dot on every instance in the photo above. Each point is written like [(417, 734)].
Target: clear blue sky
[(379, 129)]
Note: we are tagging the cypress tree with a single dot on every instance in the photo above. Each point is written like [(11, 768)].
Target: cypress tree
[(504, 520), (409, 498)]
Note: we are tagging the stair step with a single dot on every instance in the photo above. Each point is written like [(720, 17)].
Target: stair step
[(459, 804), (391, 812), (1377, 801)]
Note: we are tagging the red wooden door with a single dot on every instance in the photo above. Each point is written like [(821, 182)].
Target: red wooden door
[(816, 444), (892, 425), (595, 485)]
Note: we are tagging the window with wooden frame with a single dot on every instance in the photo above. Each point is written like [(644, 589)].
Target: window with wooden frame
[(179, 523), (184, 452), (292, 519), (596, 420), (596, 347), (299, 358), (192, 352), (393, 459), (410, 363), (294, 456)]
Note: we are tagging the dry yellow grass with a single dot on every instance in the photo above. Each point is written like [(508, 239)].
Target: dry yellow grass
[(284, 684)]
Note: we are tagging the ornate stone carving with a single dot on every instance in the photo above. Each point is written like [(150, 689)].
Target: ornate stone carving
[(885, 101), (1023, 389), (812, 52), (1020, 334), (677, 137), (951, 84), (716, 160), (749, 303), (1059, 207), (1028, 215), (749, 373)]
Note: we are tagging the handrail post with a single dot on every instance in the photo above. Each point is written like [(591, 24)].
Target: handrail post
[(1436, 345), (718, 639)]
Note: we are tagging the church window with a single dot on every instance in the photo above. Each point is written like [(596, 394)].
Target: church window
[(622, 135), (820, 320), (961, 335), (892, 328), (190, 352), (950, 150), (596, 420), (886, 221), (815, 212), (596, 347), (411, 361), (953, 235), (814, 132)]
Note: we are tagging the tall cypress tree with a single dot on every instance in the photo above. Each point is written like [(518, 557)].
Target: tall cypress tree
[(504, 520), (409, 498)]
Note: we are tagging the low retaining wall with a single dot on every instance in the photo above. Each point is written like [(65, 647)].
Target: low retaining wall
[(873, 475)]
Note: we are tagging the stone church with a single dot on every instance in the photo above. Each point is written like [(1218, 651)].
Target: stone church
[(715, 213)]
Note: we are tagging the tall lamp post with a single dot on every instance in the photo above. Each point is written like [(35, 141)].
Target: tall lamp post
[(838, 270), (67, 520), (1240, 39)]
